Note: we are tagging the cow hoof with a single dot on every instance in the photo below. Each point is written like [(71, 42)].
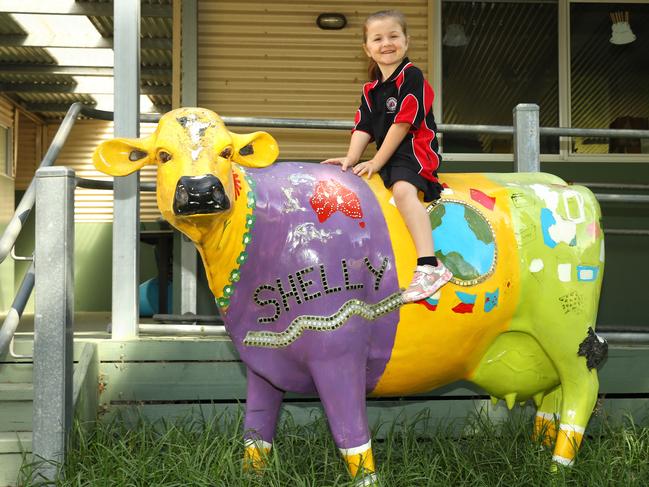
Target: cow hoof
[(366, 480), (558, 465)]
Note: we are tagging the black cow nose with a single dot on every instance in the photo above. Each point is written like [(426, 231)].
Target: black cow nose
[(198, 195)]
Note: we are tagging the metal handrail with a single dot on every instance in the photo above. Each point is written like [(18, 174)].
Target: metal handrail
[(10, 323), (442, 128), (627, 232), (577, 132), (622, 186), (622, 198), (147, 186)]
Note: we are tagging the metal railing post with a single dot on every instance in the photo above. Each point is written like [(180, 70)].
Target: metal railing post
[(126, 212), (186, 269), (54, 316), (527, 140)]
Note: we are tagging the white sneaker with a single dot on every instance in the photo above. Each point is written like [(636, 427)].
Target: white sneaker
[(426, 282)]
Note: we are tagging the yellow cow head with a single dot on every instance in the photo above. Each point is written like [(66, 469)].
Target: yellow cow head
[(194, 152)]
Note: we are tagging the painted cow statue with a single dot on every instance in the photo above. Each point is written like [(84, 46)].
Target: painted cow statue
[(307, 263)]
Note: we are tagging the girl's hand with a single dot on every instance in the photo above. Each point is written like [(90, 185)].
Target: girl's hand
[(343, 162), (368, 167)]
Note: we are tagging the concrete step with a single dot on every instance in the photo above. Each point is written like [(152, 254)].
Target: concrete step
[(16, 391), (15, 409), (15, 442)]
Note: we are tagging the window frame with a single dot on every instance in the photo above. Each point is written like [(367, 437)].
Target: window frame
[(563, 58), (7, 169)]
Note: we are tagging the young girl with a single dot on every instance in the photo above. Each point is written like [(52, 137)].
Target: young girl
[(397, 112)]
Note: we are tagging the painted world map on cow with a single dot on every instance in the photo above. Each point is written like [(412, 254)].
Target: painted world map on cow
[(464, 241)]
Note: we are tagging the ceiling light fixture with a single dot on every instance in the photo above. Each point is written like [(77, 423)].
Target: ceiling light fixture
[(621, 32)]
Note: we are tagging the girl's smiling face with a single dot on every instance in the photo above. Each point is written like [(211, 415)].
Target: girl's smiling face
[(386, 43)]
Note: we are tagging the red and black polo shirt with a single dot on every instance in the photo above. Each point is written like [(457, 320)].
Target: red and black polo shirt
[(405, 97)]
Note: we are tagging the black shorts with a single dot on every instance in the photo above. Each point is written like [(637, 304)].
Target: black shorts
[(393, 173)]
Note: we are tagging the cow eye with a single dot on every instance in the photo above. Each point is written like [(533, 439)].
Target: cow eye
[(164, 156), (226, 153)]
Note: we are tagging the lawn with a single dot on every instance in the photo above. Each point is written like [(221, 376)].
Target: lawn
[(208, 453)]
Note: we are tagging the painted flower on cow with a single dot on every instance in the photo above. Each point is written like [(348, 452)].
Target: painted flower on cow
[(330, 196)]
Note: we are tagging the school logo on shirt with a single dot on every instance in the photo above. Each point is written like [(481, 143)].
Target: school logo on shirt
[(391, 104)]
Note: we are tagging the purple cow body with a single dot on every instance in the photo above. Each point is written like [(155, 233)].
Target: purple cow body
[(317, 361)]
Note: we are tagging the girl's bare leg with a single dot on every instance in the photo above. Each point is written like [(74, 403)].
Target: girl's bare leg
[(415, 216), (427, 278)]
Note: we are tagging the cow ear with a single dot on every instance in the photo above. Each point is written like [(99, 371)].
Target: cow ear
[(258, 149), (121, 157)]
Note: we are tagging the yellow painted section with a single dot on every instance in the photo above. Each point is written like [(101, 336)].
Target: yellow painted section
[(458, 341), (545, 430), (364, 461), (221, 241), (568, 442), (254, 458)]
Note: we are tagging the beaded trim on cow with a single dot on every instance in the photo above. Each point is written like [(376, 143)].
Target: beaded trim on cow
[(269, 339), (235, 275)]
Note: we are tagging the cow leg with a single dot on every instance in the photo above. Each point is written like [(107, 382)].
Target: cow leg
[(577, 406), (263, 402), (579, 387), (341, 387), (547, 415)]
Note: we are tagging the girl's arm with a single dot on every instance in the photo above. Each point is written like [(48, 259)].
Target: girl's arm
[(357, 146), (394, 137)]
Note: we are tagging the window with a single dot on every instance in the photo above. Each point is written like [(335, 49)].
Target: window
[(609, 73), (5, 153), (496, 55)]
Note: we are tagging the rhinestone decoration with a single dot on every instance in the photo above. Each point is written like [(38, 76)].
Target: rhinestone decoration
[(255, 297), (377, 274), (290, 294), (269, 339), (348, 285), (305, 284), (325, 283), (235, 274)]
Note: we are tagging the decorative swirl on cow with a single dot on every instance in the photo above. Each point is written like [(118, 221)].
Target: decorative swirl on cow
[(323, 323)]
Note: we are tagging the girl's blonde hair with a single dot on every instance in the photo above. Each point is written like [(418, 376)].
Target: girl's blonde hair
[(373, 70)]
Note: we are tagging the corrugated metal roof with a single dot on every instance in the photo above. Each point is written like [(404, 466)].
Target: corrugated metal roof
[(35, 79), (9, 25), (25, 55), (57, 98), (155, 58), (14, 81), (150, 27)]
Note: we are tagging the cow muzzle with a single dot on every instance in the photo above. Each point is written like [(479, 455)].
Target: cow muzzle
[(199, 195)]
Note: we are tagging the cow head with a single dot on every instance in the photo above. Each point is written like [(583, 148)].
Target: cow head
[(196, 156)]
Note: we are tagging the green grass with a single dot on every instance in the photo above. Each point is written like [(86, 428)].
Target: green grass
[(208, 453)]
